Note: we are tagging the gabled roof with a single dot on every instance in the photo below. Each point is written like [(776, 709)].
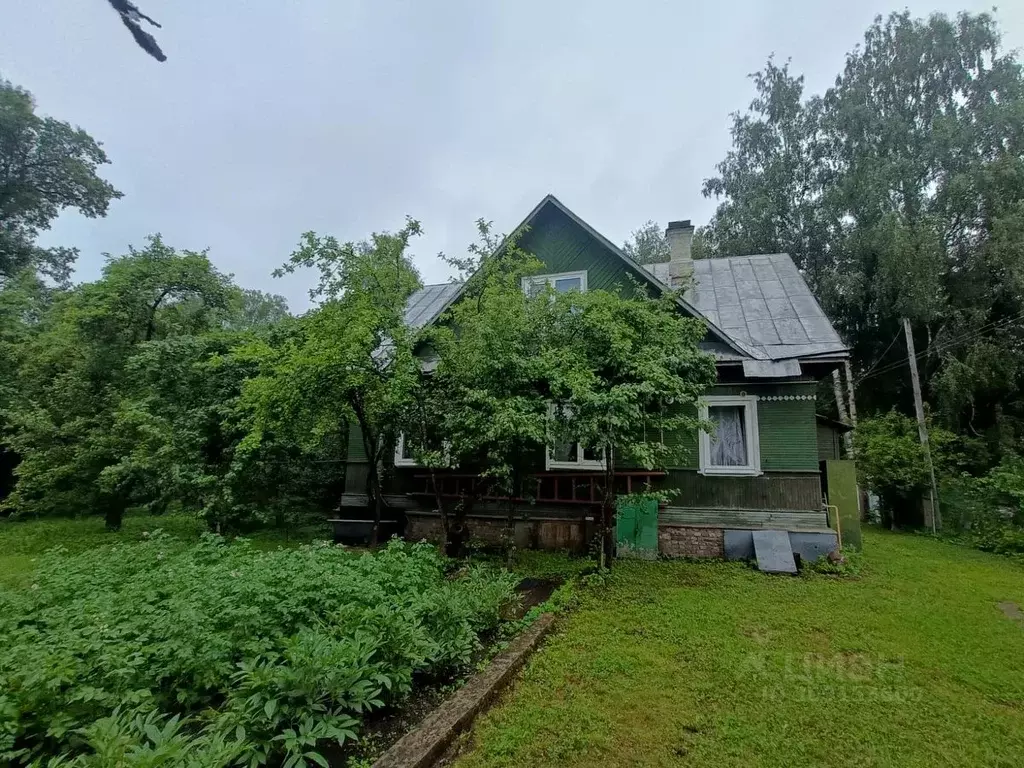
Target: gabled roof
[(737, 346), (762, 301), (756, 307)]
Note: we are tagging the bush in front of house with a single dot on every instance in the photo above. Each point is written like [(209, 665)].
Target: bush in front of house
[(217, 654), (892, 463)]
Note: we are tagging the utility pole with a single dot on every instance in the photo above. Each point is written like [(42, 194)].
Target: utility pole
[(922, 427)]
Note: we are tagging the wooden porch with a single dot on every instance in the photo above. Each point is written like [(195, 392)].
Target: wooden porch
[(579, 488)]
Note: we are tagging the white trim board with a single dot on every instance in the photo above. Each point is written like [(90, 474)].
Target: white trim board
[(749, 405)]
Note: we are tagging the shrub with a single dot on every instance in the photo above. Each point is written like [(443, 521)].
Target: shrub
[(987, 512), (217, 654), (850, 563), (892, 463)]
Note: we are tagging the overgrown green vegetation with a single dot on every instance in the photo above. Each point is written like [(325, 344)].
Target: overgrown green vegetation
[(23, 542), (215, 653), (899, 192), (912, 663)]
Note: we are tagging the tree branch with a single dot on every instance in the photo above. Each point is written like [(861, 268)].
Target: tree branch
[(132, 18)]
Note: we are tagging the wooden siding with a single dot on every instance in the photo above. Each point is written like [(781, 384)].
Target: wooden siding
[(563, 246), (778, 491), (356, 451), (771, 491), (355, 477), (744, 518), (789, 440), (828, 443), (786, 428)]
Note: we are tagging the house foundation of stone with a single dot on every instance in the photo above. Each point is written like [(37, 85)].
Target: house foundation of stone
[(690, 541)]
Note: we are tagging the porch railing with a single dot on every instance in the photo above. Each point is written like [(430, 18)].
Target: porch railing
[(551, 487)]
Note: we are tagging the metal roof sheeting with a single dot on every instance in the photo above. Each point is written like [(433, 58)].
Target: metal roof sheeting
[(428, 302), (761, 301)]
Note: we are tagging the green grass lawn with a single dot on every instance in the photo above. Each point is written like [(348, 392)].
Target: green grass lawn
[(22, 541), (715, 664)]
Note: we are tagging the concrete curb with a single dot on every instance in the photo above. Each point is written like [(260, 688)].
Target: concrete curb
[(423, 746)]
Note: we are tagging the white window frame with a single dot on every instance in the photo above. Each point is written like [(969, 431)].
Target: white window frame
[(749, 404), (580, 462), (530, 280), (401, 461)]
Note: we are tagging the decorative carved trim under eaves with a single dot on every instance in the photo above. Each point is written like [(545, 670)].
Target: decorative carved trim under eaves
[(787, 397)]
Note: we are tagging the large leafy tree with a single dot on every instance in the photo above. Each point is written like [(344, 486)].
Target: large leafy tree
[(46, 166), (514, 373), (625, 370), (353, 361), (72, 376), (899, 192), (484, 407)]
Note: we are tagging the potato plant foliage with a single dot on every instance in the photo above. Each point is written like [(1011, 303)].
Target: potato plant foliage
[(158, 653)]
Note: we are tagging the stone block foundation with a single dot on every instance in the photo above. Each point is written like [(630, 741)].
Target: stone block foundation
[(690, 541), (529, 534)]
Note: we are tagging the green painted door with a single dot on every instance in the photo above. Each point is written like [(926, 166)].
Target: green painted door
[(637, 528)]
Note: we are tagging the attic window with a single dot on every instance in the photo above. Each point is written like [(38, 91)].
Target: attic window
[(561, 282)]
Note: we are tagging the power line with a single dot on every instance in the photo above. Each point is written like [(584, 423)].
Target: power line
[(943, 346), (977, 333), (881, 357)]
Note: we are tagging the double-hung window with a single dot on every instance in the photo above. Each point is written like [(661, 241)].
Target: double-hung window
[(733, 448), (405, 457), (571, 454), (562, 282), (403, 453)]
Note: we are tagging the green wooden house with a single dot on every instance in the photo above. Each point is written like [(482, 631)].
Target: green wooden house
[(772, 343)]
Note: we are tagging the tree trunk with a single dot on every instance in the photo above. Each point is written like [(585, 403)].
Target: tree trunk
[(372, 446), (441, 510), (837, 390), (608, 511), (458, 533), (510, 523), (373, 497), (151, 324)]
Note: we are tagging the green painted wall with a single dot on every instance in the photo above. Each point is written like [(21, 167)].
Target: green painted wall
[(828, 443), (564, 246), (356, 451), (787, 429), (789, 438)]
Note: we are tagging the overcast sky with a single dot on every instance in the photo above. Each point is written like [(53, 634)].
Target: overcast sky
[(273, 117)]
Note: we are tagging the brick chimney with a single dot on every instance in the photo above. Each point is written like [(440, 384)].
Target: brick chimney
[(680, 242)]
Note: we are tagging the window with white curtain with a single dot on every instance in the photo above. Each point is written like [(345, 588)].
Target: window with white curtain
[(733, 448)]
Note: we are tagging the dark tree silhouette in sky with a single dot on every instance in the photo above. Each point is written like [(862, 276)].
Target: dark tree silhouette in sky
[(133, 18)]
